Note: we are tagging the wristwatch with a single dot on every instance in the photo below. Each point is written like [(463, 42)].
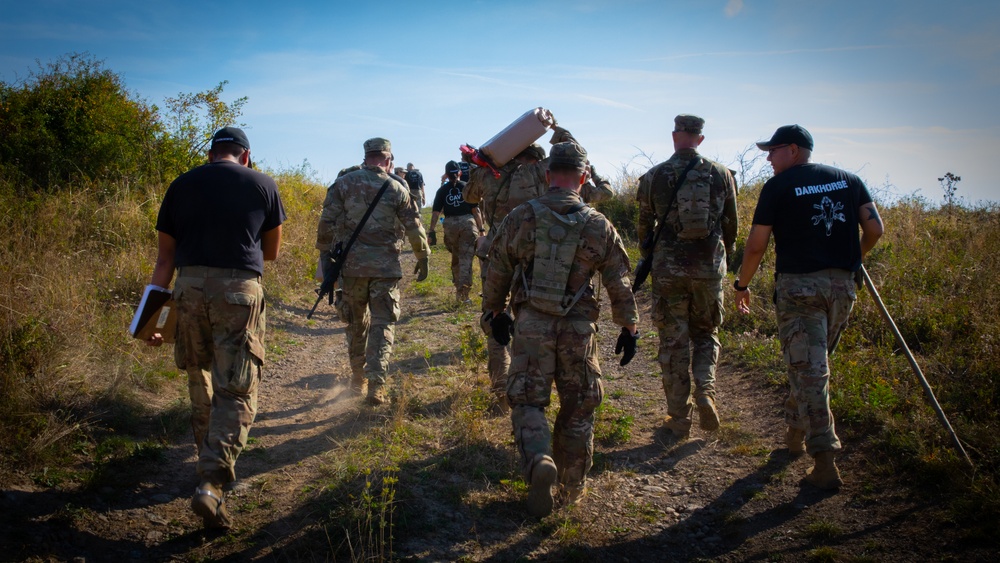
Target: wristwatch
[(737, 287)]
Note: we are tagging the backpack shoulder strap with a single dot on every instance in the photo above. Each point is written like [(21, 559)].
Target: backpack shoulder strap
[(659, 182)]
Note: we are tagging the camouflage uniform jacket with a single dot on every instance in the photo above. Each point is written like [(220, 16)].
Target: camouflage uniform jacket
[(376, 251), (702, 259), (517, 184), (601, 250), (324, 233)]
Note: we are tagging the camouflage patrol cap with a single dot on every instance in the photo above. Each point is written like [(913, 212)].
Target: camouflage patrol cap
[(689, 123), (568, 154), (534, 150), (378, 144)]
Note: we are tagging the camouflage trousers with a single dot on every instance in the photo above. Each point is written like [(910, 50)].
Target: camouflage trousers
[(460, 240), (812, 311), (220, 343), (498, 361), (544, 349), (370, 307), (687, 313), (498, 355)]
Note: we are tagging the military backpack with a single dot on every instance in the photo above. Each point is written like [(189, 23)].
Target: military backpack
[(694, 219), (557, 237)]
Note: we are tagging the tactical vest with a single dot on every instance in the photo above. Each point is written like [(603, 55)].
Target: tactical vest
[(556, 239), (694, 218)]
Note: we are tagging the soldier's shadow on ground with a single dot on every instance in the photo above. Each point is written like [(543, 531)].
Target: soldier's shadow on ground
[(713, 516), (322, 523), (418, 365), (55, 525), (663, 453), (40, 525)]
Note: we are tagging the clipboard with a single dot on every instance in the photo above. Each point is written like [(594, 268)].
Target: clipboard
[(156, 313)]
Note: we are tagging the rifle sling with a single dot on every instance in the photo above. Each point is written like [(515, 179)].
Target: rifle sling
[(364, 219)]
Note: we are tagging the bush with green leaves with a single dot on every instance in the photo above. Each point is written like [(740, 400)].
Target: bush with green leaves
[(73, 122)]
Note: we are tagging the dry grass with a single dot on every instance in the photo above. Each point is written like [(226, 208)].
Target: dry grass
[(72, 267)]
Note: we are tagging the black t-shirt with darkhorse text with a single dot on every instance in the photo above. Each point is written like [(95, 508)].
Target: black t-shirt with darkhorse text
[(813, 212)]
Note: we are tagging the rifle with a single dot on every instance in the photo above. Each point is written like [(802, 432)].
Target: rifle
[(645, 264), (331, 270)]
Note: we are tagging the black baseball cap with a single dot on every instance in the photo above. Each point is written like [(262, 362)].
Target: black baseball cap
[(452, 167), (788, 135), (231, 135)]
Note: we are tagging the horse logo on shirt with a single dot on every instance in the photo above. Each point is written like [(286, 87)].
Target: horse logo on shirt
[(829, 212)]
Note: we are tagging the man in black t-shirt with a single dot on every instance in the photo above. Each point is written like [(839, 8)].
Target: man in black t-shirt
[(463, 224), (217, 225), (814, 212), (415, 181)]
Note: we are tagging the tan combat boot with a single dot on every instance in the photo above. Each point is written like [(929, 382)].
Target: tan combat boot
[(824, 474), (543, 476), (679, 427), (500, 406), (574, 494), (376, 393), (207, 503), (708, 417), (358, 383), (795, 440)]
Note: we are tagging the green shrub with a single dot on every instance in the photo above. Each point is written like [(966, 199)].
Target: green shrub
[(73, 121)]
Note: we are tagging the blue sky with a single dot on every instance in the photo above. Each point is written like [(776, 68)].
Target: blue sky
[(899, 92)]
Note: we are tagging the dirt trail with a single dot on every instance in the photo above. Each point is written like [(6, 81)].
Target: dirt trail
[(733, 495)]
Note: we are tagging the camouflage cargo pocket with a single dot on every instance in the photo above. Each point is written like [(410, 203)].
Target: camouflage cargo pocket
[(525, 384), (339, 305), (181, 343), (588, 342), (795, 343), (394, 295), (718, 312), (248, 359), (516, 380), (247, 366), (592, 393)]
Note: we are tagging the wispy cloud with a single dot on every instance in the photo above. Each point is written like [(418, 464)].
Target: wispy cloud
[(607, 102), (733, 7), (770, 52)]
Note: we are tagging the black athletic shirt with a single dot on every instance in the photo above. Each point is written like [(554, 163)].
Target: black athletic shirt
[(414, 179), (813, 212), (449, 200), (217, 213)]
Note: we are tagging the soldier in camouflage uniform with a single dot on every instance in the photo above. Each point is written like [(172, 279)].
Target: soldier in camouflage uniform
[(369, 297), (217, 225), (522, 179), (687, 270), (814, 212), (554, 334)]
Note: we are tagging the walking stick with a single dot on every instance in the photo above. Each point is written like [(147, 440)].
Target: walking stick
[(916, 369)]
